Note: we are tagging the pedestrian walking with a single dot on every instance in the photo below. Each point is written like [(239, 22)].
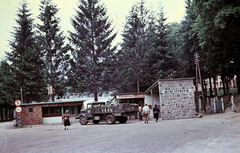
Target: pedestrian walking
[(146, 112), (140, 112), (155, 112), (65, 120)]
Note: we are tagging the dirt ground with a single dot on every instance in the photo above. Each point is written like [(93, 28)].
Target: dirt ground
[(214, 133)]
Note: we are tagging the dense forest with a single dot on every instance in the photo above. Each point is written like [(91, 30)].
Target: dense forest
[(151, 49)]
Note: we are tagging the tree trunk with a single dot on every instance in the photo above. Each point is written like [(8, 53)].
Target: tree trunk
[(227, 86), (138, 83), (1, 113), (210, 89), (215, 88), (238, 63), (95, 95), (6, 113), (203, 96), (224, 88)]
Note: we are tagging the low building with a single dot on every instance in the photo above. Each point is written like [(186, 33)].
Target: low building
[(136, 98), (49, 112), (174, 98)]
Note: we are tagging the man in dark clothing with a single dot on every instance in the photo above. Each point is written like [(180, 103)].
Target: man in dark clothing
[(155, 112)]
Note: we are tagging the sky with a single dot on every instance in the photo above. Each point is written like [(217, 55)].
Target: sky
[(117, 11)]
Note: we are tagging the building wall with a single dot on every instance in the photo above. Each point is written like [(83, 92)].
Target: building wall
[(152, 100), (177, 99), (31, 118), (36, 117), (52, 120)]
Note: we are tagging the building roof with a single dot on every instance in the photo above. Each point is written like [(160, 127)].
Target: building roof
[(57, 102)]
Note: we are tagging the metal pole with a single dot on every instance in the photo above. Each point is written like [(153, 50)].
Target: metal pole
[(197, 99), (21, 95)]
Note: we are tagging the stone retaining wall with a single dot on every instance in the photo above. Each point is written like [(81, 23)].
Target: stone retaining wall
[(177, 99)]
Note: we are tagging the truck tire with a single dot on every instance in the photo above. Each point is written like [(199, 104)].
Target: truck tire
[(122, 119), (96, 121), (110, 119), (82, 120)]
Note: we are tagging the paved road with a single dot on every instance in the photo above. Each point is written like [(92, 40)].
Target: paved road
[(217, 133)]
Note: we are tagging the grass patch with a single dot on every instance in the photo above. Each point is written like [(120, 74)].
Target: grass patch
[(233, 91)]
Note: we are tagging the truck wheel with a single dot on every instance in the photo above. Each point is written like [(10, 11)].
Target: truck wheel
[(82, 120), (123, 119), (110, 119), (96, 121)]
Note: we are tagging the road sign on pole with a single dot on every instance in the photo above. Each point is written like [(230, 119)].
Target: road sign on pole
[(17, 102), (18, 109)]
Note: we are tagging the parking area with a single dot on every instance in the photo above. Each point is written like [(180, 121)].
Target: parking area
[(216, 133)]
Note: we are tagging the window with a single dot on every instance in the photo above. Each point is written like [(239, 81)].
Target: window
[(51, 111), (30, 110)]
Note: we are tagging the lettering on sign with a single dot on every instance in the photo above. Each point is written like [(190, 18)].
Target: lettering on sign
[(177, 91), (130, 96)]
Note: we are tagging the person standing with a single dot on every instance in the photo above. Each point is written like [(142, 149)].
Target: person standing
[(65, 120), (155, 112), (140, 112), (146, 112)]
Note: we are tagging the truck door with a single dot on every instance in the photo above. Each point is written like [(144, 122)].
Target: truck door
[(89, 111)]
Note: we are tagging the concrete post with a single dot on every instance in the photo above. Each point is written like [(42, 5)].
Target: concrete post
[(214, 104), (222, 105)]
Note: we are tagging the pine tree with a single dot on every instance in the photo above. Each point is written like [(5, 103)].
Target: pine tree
[(91, 51), (190, 42), (134, 50), (145, 49), (8, 91), (52, 46), (26, 64), (163, 58)]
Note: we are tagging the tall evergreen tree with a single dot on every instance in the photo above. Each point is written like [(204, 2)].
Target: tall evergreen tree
[(52, 46), (163, 59), (134, 49), (91, 51), (175, 42), (145, 48), (8, 92), (217, 27), (26, 64), (190, 42)]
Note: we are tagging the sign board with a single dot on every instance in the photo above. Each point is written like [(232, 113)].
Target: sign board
[(50, 90), (17, 102), (177, 91), (130, 96), (18, 109)]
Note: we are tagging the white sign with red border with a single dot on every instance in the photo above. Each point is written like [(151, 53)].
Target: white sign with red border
[(17, 102), (18, 109)]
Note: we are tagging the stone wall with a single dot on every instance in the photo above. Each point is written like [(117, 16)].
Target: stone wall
[(177, 99)]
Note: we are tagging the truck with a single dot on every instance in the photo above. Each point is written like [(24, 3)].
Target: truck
[(98, 111)]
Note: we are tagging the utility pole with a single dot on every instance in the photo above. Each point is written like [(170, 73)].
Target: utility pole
[(197, 98), (199, 80)]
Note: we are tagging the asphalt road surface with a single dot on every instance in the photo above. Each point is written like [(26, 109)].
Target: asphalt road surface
[(216, 133)]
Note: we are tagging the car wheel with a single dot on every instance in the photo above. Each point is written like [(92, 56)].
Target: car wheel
[(82, 120), (123, 119), (110, 119)]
